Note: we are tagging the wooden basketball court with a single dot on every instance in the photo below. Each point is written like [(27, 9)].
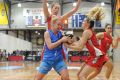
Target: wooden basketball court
[(27, 70)]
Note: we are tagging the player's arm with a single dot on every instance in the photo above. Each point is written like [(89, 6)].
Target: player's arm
[(81, 42), (115, 42), (67, 15), (100, 36), (45, 9)]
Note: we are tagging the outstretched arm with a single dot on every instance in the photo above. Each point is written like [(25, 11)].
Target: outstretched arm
[(115, 42), (100, 35), (82, 42), (67, 15), (45, 9)]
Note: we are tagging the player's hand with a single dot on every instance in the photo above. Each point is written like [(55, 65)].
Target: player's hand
[(64, 39), (70, 41)]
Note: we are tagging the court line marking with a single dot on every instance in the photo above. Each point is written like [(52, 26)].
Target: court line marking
[(69, 67)]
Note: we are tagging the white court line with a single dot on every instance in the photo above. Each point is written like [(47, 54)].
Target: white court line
[(69, 67), (77, 68)]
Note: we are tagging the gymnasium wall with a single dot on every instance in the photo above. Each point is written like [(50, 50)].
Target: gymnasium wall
[(86, 6), (3, 15), (17, 14), (19, 21), (11, 43)]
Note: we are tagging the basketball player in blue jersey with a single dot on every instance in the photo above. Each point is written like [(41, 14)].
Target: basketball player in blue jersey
[(52, 57)]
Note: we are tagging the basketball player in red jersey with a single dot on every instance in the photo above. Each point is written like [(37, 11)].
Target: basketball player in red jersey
[(55, 8), (106, 41), (55, 11), (96, 59)]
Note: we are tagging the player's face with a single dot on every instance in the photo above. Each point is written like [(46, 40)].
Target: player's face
[(108, 29), (85, 24), (55, 9), (56, 22)]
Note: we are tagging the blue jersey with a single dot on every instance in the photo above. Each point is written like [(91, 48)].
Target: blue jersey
[(56, 53)]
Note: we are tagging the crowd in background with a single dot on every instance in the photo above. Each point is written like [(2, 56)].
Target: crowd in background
[(4, 54)]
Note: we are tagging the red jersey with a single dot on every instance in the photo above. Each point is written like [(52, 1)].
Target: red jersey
[(96, 58), (93, 46), (106, 42)]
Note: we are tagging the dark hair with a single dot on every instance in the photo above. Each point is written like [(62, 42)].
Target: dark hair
[(92, 22), (107, 24), (53, 4)]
